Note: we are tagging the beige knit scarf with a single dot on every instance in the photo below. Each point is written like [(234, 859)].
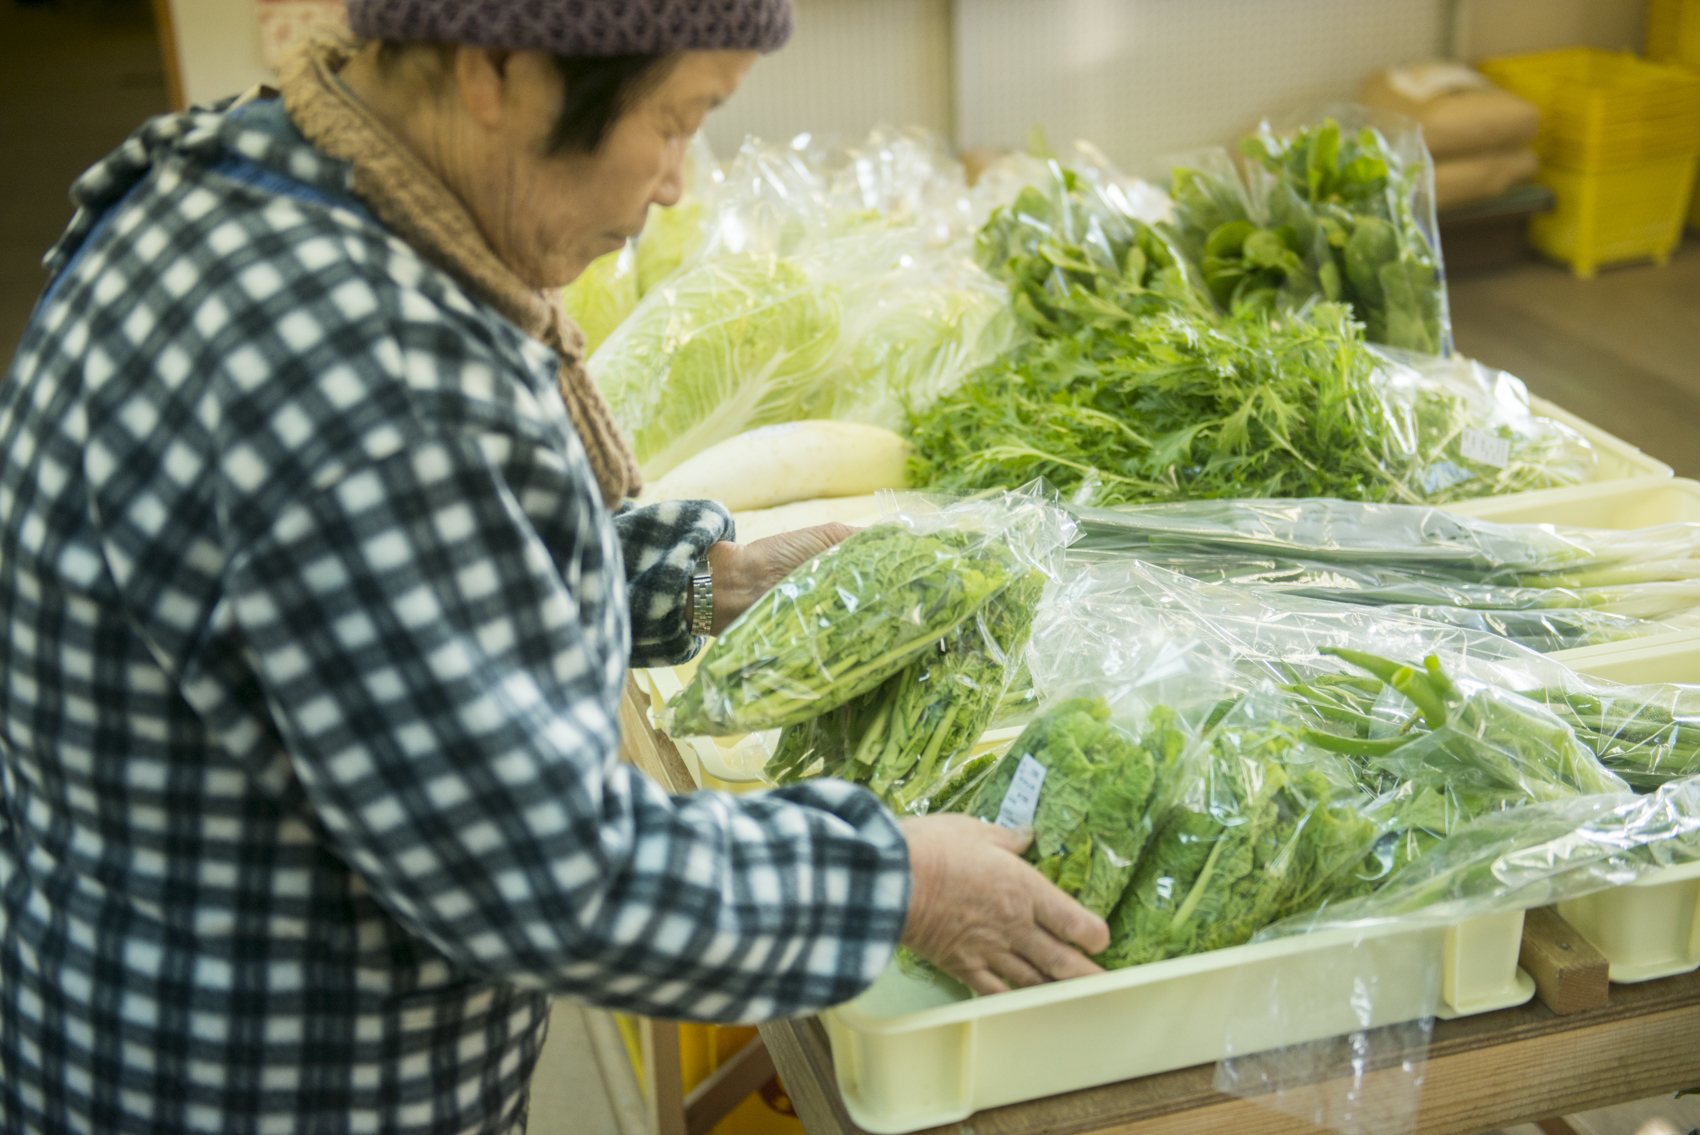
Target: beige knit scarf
[(410, 199)]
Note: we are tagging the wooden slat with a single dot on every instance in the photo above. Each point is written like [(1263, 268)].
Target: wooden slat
[(652, 751), (1494, 1070), (713, 1099), (663, 1076), (1570, 974)]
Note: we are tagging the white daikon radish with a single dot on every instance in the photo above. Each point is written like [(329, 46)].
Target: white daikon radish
[(794, 461), (858, 512)]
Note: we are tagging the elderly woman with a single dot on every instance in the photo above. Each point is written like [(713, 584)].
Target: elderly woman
[(317, 597)]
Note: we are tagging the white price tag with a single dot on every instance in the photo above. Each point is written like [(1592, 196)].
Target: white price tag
[(1486, 448), (1022, 798)]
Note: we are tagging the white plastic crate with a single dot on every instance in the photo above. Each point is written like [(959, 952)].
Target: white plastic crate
[(1638, 502), (1649, 928), (913, 1052)]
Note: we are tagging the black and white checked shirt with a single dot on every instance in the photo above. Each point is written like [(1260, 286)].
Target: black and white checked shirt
[(313, 627)]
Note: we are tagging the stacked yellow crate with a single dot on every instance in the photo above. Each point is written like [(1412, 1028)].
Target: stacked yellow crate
[(1673, 36), (1619, 142)]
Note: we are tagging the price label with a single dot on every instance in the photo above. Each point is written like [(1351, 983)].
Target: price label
[(1022, 798), (1486, 448)]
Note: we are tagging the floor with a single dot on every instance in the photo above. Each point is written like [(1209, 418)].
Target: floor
[(1621, 350)]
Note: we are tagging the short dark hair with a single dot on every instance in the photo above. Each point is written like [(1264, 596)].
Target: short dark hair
[(599, 90)]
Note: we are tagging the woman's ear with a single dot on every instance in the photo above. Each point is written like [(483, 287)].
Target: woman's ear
[(481, 74)]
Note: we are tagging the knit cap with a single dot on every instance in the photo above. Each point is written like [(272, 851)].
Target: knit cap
[(580, 28)]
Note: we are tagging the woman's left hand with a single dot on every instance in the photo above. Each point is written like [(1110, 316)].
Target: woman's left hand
[(744, 573)]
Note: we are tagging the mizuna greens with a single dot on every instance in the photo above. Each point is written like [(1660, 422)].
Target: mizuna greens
[(843, 623), (1130, 381)]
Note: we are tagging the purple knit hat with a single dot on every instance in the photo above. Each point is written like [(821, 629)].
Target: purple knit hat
[(580, 28)]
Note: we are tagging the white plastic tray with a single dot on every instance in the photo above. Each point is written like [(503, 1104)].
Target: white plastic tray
[(913, 1052), (1638, 502), (1651, 927)]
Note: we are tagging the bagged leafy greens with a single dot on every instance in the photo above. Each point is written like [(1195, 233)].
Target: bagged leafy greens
[(1131, 382), (1091, 820), (905, 738), (1336, 211), (1261, 827), (1547, 588), (849, 619), (801, 304)]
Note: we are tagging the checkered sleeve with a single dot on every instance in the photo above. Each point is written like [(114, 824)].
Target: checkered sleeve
[(660, 544), (450, 717)]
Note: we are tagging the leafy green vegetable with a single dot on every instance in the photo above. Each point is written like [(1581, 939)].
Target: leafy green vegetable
[(669, 239), (905, 735), (1170, 407), (1091, 821), (840, 625), (1343, 206), (732, 343), (1272, 835)]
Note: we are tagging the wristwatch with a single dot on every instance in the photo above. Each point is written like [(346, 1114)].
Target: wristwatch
[(701, 614)]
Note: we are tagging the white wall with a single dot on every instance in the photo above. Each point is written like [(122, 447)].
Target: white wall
[(218, 48), (1142, 78), (1487, 28), (850, 66)]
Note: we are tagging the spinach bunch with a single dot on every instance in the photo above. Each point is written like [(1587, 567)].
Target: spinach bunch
[(840, 625), (1267, 836), (1363, 194), (1091, 821)]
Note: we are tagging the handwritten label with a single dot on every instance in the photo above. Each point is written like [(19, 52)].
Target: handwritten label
[(1486, 448), (1022, 798)]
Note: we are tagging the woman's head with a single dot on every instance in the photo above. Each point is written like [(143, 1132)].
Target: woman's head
[(557, 127)]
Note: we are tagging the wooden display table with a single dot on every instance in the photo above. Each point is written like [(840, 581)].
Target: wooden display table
[(1494, 1070)]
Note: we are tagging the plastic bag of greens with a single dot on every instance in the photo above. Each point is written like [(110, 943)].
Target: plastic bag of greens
[(909, 738), (1337, 206), (849, 619), (1087, 788), (1121, 621), (1546, 587), (795, 309), (1260, 825), (1476, 433)]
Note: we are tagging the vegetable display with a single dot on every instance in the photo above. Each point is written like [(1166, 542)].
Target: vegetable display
[(1130, 382)]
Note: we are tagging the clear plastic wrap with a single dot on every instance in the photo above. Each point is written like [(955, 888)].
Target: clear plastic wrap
[(1545, 587), (1464, 797), (798, 307), (852, 617), (1335, 206), (910, 738)]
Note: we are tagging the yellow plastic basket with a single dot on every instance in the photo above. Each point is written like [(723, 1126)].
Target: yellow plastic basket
[(1609, 216), (1602, 109)]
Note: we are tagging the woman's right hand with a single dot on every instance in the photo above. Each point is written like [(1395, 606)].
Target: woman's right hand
[(983, 914)]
